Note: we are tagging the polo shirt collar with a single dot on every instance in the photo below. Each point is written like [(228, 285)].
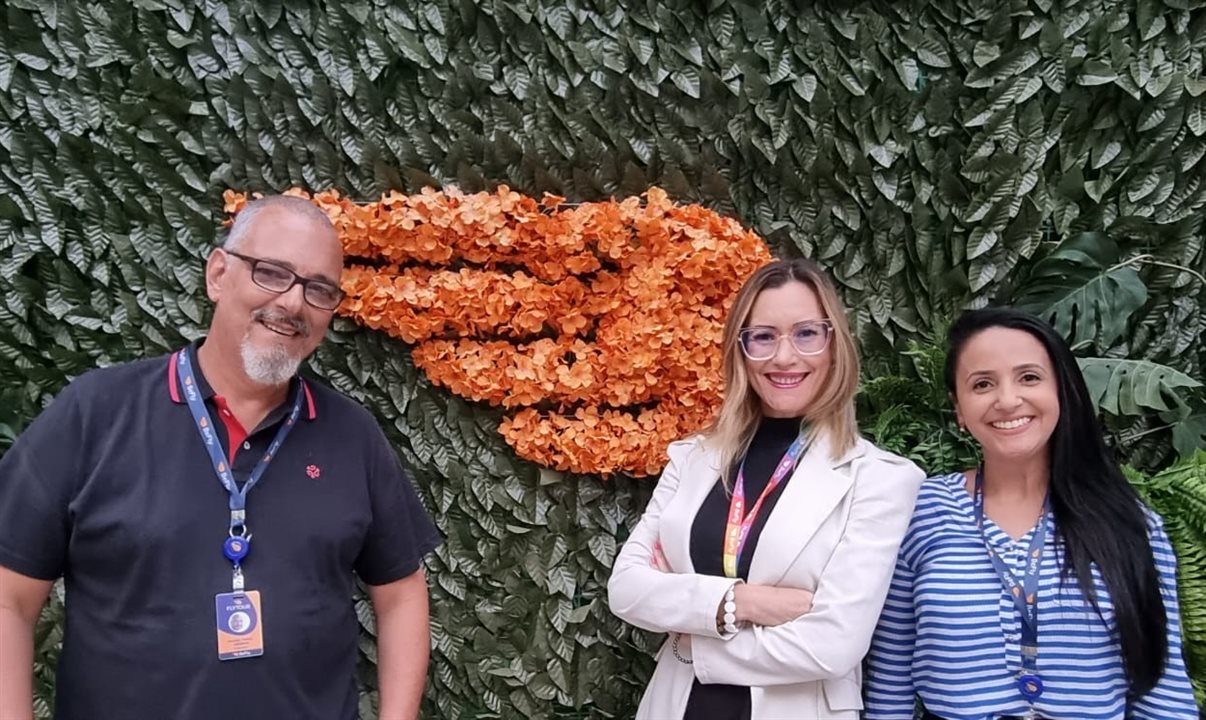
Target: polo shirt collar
[(207, 391)]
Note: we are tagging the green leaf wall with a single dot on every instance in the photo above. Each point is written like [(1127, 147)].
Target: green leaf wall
[(925, 152)]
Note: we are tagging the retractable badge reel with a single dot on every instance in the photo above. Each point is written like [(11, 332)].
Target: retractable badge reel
[(1031, 687), (235, 548)]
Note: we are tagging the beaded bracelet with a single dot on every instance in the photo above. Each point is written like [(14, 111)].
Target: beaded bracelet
[(674, 649), (730, 610)]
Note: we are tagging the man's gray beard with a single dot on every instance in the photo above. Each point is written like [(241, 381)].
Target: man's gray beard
[(274, 366)]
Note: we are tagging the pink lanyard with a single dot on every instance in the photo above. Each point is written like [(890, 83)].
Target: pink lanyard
[(737, 529)]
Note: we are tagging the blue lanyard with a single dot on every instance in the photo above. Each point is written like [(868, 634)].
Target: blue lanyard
[(1024, 594), (237, 544)]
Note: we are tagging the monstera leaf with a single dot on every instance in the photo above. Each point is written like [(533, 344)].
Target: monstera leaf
[(1123, 387), (1081, 290), (1189, 435)]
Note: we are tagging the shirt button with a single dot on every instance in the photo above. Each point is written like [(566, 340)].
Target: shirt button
[(246, 446)]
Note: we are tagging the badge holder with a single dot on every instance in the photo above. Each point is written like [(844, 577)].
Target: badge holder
[(240, 630)]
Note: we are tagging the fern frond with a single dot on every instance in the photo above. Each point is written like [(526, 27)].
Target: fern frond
[(1178, 494)]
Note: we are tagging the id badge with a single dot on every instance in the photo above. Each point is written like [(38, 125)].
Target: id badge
[(240, 625)]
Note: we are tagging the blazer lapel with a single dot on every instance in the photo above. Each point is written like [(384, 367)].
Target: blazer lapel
[(697, 477), (814, 490)]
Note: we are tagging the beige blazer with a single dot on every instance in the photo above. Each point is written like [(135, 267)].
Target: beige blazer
[(835, 530)]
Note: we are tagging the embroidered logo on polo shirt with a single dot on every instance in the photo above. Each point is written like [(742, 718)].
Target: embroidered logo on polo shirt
[(313, 471)]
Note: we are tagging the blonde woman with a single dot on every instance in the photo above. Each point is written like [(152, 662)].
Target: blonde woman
[(768, 545)]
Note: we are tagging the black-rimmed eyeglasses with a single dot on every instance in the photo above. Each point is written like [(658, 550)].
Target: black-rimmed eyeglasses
[(810, 337), (277, 278)]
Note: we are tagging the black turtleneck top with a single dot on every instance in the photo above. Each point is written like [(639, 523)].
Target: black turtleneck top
[(771, 440)]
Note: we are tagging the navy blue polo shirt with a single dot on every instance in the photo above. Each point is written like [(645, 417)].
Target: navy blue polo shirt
[(111, 488)]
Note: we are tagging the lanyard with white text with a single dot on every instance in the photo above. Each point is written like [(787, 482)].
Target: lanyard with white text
[(238, 542), (737, 529), (1024, 594)]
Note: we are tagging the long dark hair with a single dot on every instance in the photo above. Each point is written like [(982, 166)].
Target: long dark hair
[(1099, 518)]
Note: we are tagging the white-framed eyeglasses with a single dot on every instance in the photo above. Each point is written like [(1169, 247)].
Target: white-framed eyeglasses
[(810, 337)]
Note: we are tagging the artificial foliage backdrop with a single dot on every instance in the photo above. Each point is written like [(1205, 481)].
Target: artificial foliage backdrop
[(930, 154)]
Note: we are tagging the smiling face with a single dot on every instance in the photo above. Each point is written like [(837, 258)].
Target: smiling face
[(1006, 393), (274, 332), (787, 382)]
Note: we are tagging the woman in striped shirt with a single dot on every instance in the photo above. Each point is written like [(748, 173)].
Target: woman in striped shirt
[(1038, 586)]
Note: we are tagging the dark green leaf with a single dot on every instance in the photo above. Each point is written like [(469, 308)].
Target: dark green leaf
[(1125, 387), (1085, 295)]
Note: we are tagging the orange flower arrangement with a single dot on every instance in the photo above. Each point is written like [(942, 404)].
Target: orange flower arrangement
[(597, 326)]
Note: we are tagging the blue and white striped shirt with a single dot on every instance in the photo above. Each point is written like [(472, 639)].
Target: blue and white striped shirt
[(950, 634)]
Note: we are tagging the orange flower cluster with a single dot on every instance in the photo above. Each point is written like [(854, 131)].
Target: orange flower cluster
[(468, 302), (598, 324)]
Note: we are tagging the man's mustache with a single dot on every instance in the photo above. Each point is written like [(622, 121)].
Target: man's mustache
[(300, 325)]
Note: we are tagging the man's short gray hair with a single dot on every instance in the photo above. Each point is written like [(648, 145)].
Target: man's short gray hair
[(245, 219)]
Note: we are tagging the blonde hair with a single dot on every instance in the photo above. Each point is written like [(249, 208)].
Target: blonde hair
[(831, 412)]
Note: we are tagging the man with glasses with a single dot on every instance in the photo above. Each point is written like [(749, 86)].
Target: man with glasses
[(207, 511)]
